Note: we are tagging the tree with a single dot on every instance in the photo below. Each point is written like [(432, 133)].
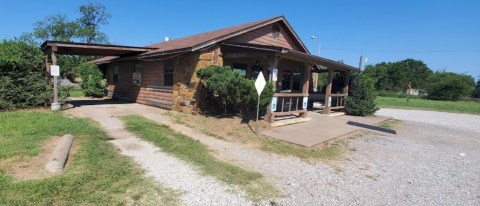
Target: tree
[(93, 15), (449, 86), (361, 98), (55, 27), (395, 76), (93, 84), (476, 91), (84, 29)]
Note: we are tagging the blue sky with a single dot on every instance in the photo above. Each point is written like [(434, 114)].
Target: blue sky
[(443, 34)]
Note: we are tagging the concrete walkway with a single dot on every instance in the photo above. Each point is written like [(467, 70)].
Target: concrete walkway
[(320, 128)]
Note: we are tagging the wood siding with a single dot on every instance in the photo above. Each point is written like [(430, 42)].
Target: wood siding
[(264, 36), (151, 90)]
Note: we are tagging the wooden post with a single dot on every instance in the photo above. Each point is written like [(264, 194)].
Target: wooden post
[(306, 80), (328, 91), (346, 82), (272, 64), (55, 106)]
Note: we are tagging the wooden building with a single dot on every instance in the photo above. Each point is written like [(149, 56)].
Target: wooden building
[(164, 74)]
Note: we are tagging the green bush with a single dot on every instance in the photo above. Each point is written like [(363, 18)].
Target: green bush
[(231, 91), (23, 80), (361, 99), (93, 84), (451, 86)]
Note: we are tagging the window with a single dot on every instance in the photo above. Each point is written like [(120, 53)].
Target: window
[(256, 69), (297, 79), (168, 73), (286, 80), (137, 75), (240, 68), (115, 74)]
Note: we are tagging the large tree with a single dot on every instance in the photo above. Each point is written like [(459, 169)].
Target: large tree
[(84, 29), (443, 85), (397, 75), (476, 91), (93, 16)]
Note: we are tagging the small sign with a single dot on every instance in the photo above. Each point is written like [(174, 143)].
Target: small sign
[(329, 101), (274, 74), (55, 70), (260, 83), (305, 102), (274, 103)]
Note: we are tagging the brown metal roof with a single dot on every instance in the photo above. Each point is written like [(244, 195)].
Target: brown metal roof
[(195, 42), (72, 48)]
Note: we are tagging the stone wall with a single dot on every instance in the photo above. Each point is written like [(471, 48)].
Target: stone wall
[(187, 87)]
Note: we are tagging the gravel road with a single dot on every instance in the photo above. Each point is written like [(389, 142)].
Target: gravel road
[(434, 160)]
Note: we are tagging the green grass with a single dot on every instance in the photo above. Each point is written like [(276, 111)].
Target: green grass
[(77, 92), (97, 175), (197, 154), (239, 132), (327, 152), (425, 104)]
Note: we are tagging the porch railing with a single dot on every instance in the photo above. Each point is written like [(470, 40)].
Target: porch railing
[(338, 101), (289, 103)]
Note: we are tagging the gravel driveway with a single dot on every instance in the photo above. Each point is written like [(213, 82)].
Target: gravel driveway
[(434, 160)]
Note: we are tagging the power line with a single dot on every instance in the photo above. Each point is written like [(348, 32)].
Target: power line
[(402, 51)]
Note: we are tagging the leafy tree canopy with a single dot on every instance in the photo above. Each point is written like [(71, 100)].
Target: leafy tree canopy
[(449, 86), (397, 75)]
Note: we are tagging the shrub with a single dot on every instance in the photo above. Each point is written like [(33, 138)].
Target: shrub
[(451, 86), (231, 91), (93, 84), (23, 80), (361, 99)]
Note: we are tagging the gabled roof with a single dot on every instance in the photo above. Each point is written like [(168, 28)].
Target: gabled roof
[(199, 41)]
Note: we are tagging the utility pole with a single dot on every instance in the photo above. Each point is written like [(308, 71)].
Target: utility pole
[(360, 65)]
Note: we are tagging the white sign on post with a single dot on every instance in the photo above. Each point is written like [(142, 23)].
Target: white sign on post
[(274, 103), (305, 102), (260, 83), (55, 70), (274, 74)]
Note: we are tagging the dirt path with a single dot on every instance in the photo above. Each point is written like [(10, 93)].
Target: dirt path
[(194, 188)]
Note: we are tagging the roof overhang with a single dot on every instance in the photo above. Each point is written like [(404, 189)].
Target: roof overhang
[(72, 48), (318, 62)]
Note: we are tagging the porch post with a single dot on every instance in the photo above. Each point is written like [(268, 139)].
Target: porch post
[(55, 106), (306, 81), (346, 82), (272, 64), (328, 91)]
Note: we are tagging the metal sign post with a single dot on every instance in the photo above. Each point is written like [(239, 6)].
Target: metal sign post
[(259, 85)]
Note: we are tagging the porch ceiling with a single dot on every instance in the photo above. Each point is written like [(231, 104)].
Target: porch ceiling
[(316, 60), (296, 55), (71, 48)]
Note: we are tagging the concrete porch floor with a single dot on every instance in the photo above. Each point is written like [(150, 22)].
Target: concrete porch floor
[(320, 128)]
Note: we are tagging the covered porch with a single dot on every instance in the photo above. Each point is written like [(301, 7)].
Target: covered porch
[(290, 73)]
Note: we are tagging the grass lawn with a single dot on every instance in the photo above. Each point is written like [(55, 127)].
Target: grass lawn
[(231, 129), (197, 154), (96, 174), (77, 92), (425, 104)]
